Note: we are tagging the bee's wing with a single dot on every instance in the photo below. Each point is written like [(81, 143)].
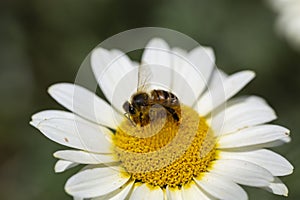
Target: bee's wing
[(144, 77)]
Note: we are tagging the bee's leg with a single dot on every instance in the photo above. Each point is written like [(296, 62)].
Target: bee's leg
[(128, 117), (173, 113)]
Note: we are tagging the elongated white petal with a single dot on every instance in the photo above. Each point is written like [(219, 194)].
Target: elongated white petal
[(273, 162), (119, 194), (77, 134), (45, 118), (174, 193), (197, 65), (253, 136), (50, 114), (221, 187), (178, 62), (145, 192), (217, 78), (277, 187), (184, 88), (160, 77), (95, 182), (84, 103), (115, 74), (274, 143), (63, 165), (218, 94), (241, 113), (157, 56), (193, 192), (84, 157), (243, 172), (279, 142), (157, 52), (203, 58)]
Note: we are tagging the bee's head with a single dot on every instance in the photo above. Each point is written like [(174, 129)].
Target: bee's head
[(128, 108), (130, 112)]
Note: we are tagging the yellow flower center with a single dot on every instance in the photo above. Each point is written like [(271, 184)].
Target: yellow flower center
[(165, 152)]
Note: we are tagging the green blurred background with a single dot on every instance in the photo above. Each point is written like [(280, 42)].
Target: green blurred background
[(43, 42)]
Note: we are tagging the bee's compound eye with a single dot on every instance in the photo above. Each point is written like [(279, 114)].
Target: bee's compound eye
[(126, 106), (131, 109)]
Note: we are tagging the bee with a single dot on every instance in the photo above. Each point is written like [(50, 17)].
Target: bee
[(138, 109)]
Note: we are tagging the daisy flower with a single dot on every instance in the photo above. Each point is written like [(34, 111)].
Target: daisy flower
[(214, 145)]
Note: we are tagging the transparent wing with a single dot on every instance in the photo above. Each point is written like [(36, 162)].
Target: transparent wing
[(144, 77)]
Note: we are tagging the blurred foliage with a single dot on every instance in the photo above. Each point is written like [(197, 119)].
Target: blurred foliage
[(43, 42)]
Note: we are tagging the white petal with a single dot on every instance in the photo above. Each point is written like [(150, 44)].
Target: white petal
[(273, 162), (119, 194), (274, 143), (179, 62), (217, 78), (221, 187), (279, 142), (84, 103), (174, 193), (203, 58), (50, 114), (184, 88), (242, 113), (95, 182), (193, 192), (115, 73), (157, 55), (277, 187), (217, 95), (77, 134), (84, 157), (63, 165), (253, 136), (146, 192), (243, 172), (160, 77), (157, 52), (47, 116), (191, 72)]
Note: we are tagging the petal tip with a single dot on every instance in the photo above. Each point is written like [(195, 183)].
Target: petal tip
[(33, 123), (157, 40), (55, 154), (250, 73), (157, 43), (52, 89)]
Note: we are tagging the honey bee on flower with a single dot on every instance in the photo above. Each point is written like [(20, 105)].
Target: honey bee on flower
[(189, 156)]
